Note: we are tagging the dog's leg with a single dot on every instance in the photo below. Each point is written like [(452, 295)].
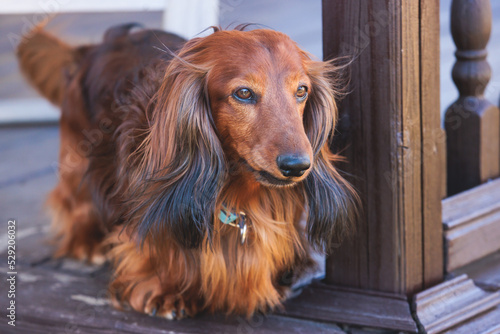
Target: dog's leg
[(164, 284), (77, 228), (290, 281)]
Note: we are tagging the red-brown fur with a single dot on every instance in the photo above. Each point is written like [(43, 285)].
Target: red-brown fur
[(154, 143)]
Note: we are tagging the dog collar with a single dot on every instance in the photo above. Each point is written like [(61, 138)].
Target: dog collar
[(236, 220)]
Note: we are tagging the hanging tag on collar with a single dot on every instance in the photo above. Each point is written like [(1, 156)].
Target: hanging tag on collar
[(235, 220), (243, 228)]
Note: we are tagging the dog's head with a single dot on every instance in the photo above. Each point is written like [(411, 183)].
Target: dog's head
[(251, 99), (259, 87)]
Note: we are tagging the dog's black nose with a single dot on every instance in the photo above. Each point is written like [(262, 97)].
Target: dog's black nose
[(293, 164)]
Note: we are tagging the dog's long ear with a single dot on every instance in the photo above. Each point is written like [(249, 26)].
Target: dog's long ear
[(184, 167), (331, 200)]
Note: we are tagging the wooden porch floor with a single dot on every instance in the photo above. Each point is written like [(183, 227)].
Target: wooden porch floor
[(66, 296)]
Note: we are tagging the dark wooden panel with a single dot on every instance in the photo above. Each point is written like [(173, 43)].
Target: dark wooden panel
[(389, 130), (410, 216), (471, 221), (339, 20), (434, 144), (350, 306)]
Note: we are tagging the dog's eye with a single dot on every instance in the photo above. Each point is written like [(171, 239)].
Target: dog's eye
[(244, 94), (301, 92)]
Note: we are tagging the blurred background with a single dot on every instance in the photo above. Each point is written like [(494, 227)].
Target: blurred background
[(29, 135), (84, 21), (79, 22)]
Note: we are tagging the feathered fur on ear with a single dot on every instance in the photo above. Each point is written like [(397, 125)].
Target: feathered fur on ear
[(184, 167), (331, 200)]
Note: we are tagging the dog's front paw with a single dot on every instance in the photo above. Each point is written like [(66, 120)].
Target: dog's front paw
[(169, 307), (90, 251), (151, 297)]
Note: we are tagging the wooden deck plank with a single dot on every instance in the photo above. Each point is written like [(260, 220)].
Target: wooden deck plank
[(451, 304), (24, 202), (344, 305), (486, 323), (25, 179), (58, 302), (28, 153), (485, 272), (23, 136)]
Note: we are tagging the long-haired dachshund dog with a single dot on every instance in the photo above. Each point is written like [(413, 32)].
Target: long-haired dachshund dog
[(201, 169)]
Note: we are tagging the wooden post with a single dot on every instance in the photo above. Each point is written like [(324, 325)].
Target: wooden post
[(472, 123), (390, 127), (390, 132)]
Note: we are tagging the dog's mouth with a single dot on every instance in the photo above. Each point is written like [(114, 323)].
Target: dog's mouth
[(269, 180)]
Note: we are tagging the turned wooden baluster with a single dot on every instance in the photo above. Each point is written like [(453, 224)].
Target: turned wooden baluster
[(472, 123)]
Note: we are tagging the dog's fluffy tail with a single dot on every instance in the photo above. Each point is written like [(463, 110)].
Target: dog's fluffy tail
[(47, 63)]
